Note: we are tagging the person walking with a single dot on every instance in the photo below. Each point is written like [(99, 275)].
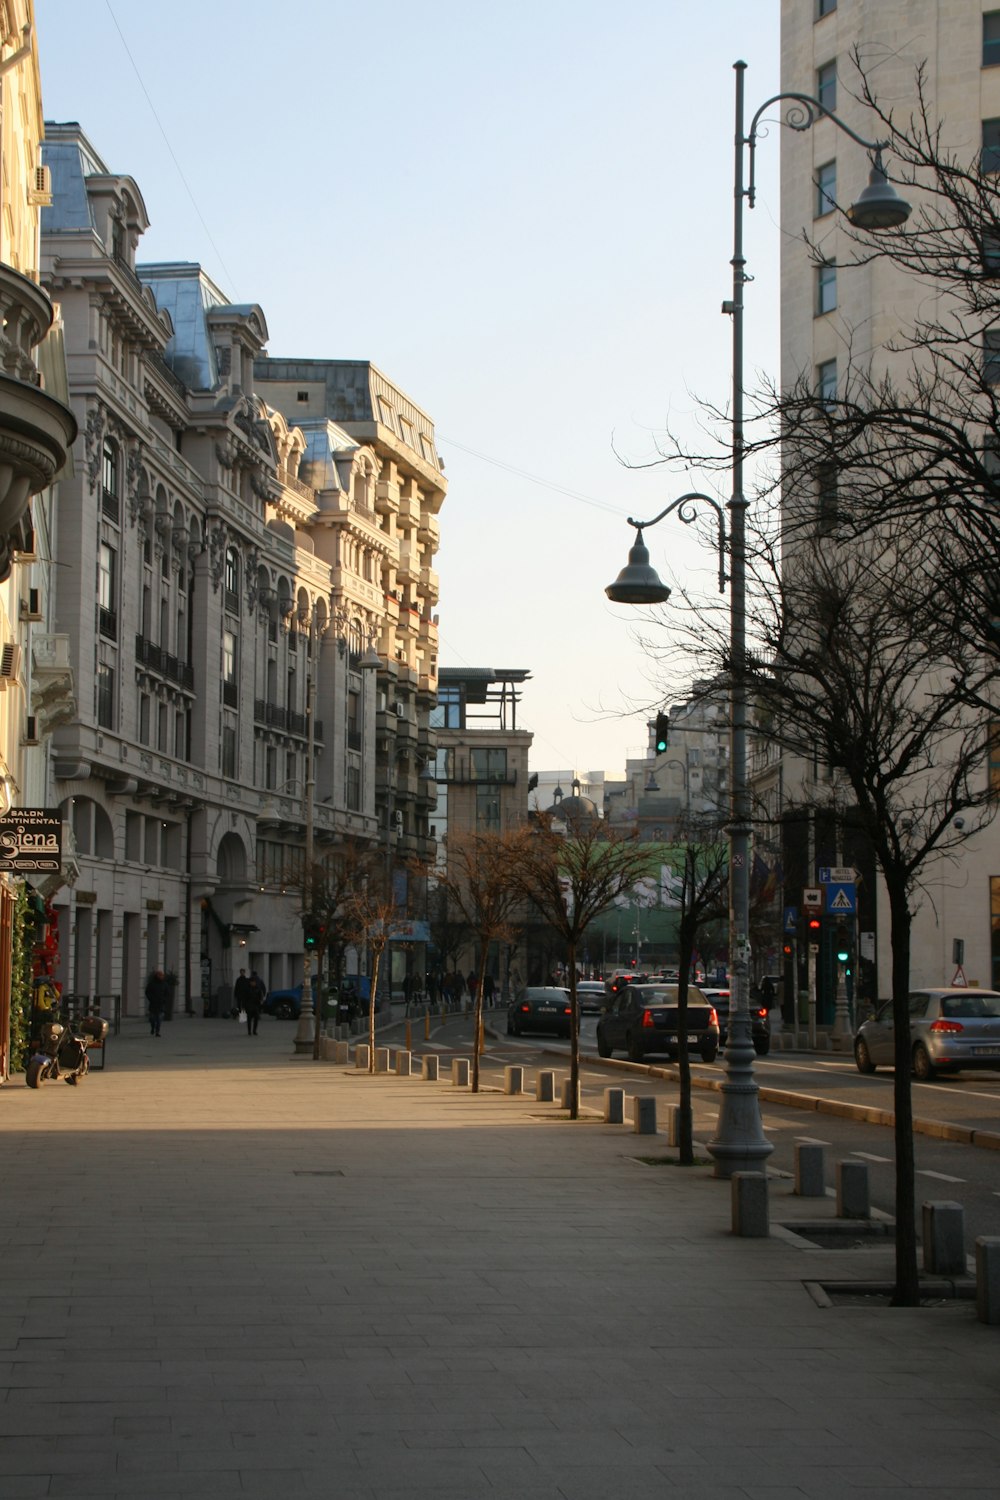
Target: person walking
[(241, 994), (256, 995), (157, 999)]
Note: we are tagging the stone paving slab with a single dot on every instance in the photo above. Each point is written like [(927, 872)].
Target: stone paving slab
[(228, 1272)]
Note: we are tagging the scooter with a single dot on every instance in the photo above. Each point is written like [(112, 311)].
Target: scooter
[(58, 1053)]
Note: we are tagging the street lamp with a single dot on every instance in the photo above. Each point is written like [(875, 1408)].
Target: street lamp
[(740, 1142)]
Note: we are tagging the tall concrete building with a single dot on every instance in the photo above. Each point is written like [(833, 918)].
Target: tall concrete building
[(834, 314), (228, 571)]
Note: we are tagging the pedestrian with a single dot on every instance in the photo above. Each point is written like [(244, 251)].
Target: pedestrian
[(472, 983), (241, 994), (767, 995), (488, 990), (256, 994), (157, 999)]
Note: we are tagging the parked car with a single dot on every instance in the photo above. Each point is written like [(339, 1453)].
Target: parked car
[(760, 1024), (590, 996), (950, 1029), (540, 1008), (642, 1020), (285, 1004)]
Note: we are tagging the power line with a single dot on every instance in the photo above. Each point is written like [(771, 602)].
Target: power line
[(547, 484)]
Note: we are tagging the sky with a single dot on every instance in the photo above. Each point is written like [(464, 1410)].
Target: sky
[(522, 213)]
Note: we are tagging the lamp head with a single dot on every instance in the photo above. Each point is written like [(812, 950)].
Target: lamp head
[(638, 582), (880, 206)]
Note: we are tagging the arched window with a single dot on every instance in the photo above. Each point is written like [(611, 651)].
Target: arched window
[(110, 502)]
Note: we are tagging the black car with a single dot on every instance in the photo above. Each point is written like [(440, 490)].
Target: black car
[(760, 1023), (642, 1020), (541, 1008)]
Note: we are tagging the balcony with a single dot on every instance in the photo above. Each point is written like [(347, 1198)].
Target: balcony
[(35, 430), (148, 654), (285, 720)]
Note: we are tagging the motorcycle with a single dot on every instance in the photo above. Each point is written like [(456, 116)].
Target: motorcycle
[(60, 1052)]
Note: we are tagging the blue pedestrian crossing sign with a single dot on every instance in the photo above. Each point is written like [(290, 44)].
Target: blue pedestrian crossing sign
[(791, 919), (842, 898)]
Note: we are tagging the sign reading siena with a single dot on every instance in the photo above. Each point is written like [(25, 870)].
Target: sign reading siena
[(31, 840)]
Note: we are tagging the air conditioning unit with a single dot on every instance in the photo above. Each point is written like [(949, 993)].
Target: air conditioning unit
[(400, 710), (10, 663), (31, 608), (30, 730), (40, 191)]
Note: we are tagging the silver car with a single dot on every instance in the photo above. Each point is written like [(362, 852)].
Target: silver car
[(949, 1029)]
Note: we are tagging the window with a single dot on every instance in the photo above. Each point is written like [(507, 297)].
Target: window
[(161, 729), (109, 480), (448, 713), (826, 85), (991, 38), (181, 721), (106, 696), (826, 288), (991, 455), (991, 356), (825, 8), (232, 581), (271, 768), (107, 613), (229, 685), (826, 381), (354, 788), (489, 765), (826, 497), (989, 159), (144, 719), (488, 808), (229, 750), (826, 188)]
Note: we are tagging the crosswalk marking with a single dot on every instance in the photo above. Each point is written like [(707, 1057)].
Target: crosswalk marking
[(870, 1156), (941, 1176)]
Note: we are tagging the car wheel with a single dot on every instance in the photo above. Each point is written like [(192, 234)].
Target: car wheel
[(709, 1054), (634, 1048), (603, 1049), (863, 1057), (283, 1011), (763, 1047), (923, 1068)]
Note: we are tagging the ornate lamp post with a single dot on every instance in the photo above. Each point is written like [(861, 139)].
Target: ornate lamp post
[(740, 1142)]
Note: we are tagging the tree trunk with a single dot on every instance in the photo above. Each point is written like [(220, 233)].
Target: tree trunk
[(907, 1289), (574, 1036), (477, 1023), (685, 1121), (376, 959)]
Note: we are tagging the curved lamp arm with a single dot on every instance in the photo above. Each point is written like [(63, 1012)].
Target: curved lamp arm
[(687, 510)]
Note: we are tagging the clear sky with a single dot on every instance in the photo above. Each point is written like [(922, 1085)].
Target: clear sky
[(523, 214)]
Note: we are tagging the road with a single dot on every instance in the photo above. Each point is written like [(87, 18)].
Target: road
[(945, 1170)]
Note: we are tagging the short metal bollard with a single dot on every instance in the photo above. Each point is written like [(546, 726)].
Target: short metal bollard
[(673, 1124), (853, 1196), (566, 1094), (460, 1072), (614, 1106), (749, 1205), (944, 1238), (362, 1056), (381, 1059), (430, 1069), (988, 1279), (545, 1087), (513, 1080), (341, 1052), (644, 1114), (404, 1063), (810, 1170)]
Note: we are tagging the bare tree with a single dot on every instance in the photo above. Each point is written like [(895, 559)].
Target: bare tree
[(703, 900), (571, 879), (368, 915), (327, 891), (479, 881)]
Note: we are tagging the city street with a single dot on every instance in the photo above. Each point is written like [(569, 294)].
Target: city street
[(228, 1272)]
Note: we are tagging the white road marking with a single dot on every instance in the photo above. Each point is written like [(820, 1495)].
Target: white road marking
[(940, 1176), (870, 1156), (812, 1140)]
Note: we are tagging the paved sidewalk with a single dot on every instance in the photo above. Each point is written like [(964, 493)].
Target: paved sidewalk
[(226, 1272)]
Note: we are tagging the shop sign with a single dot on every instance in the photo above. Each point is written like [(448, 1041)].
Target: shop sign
[(31, 841)]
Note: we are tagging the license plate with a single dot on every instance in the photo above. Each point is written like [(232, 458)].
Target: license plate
[(547, 1010), (692, 1041), (986, 1051)]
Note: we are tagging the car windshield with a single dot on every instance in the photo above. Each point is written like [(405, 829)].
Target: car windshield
[(971, 1007)]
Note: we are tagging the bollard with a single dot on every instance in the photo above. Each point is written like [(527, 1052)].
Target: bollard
[(644, 1114), (381, 1059), (342, 1053), (614, 1106), (673, 1124), (988, 1279), (545, 1087), (944, 1238), (460, 1072), (427, 1025), (404, 1063), (431, 1069), (853, 1197), (810, 1170), (566, 1094), (513, 1080), (362, 1056), (749, 1205)]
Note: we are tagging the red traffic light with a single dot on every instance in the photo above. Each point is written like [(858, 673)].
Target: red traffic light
[(787, 950), (814, 924)]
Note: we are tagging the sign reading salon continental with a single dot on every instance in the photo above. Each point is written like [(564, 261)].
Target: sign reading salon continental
[(31, 840)]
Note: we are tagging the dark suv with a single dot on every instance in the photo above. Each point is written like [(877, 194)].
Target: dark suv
[(760, 1022)]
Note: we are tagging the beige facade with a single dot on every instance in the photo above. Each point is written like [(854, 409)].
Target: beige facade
[(831, 320)]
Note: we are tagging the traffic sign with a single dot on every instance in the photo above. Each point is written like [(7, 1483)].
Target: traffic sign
[(791, 919), (842, 898), (837, 875), (812, 898)]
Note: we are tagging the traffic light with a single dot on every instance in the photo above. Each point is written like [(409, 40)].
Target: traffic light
[(661, 739), (843, 945), (814, 925), (787, 950), (312, 933)]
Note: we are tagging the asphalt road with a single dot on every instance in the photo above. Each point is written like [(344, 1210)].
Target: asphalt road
[(945, 1170)]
